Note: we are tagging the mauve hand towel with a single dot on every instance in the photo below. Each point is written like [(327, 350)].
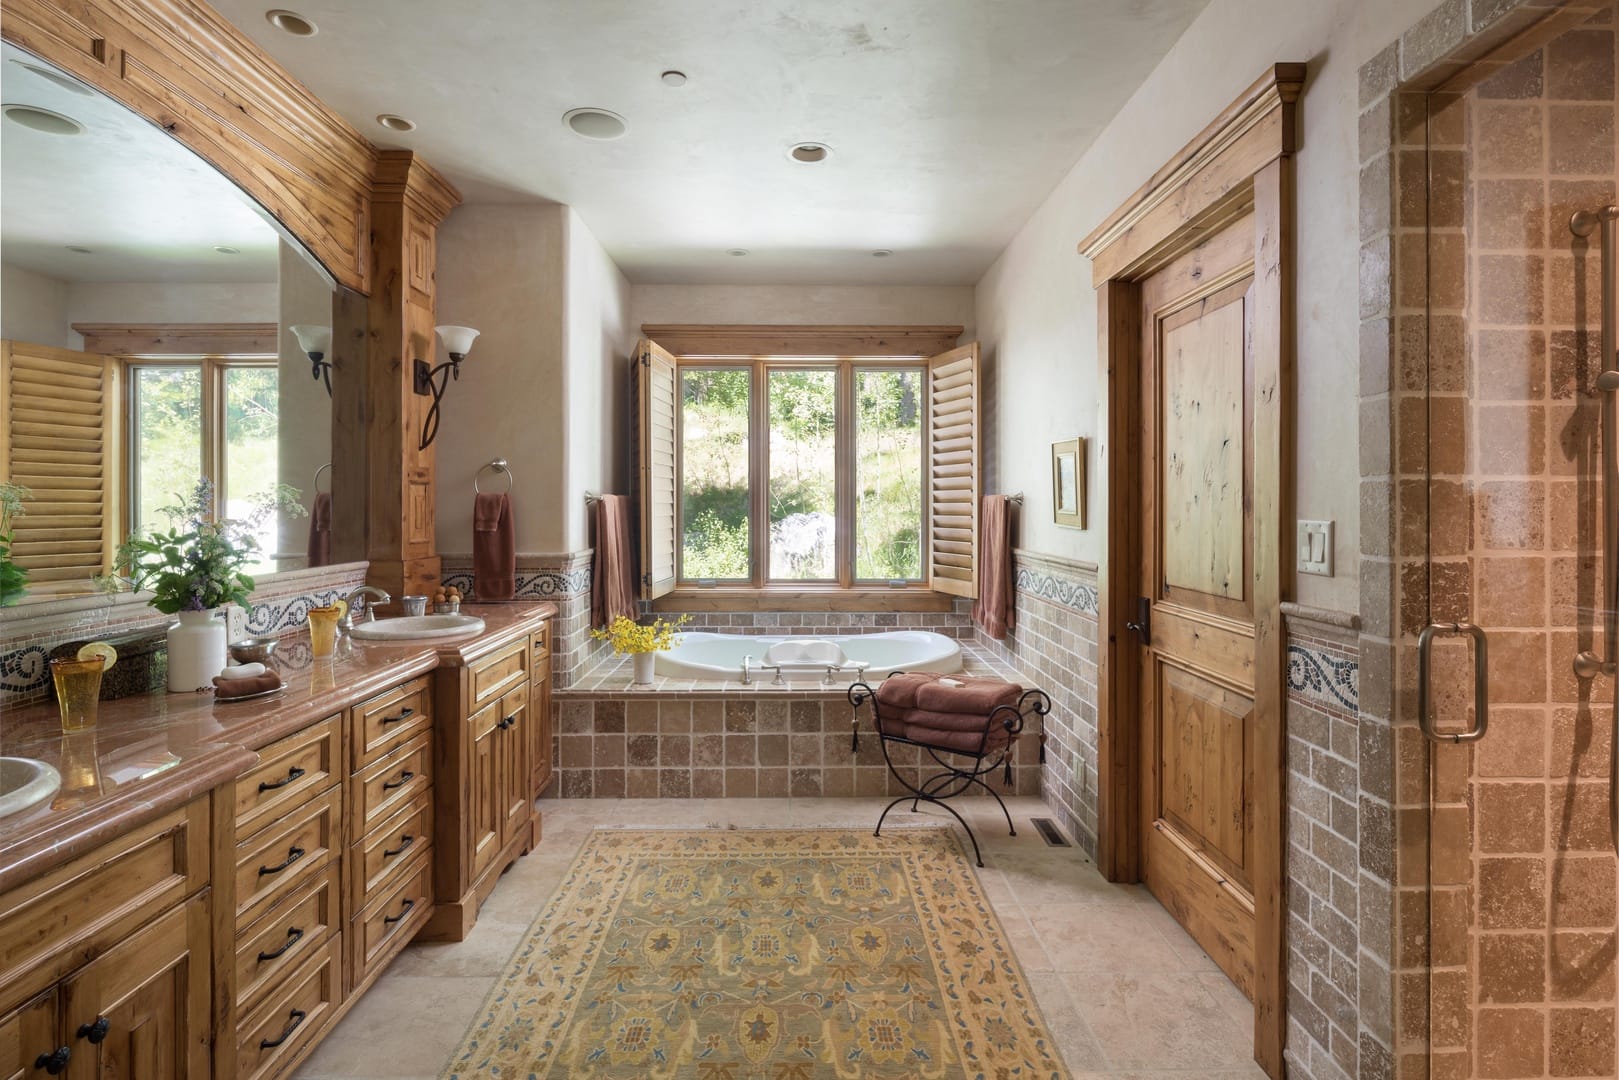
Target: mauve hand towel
[(320, 530), (899, 691), (612, 577), (494, 546), (994, 609), (973, 697)]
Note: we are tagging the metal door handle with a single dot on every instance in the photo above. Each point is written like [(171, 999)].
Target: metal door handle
[(1143, 621), (1481, 681)]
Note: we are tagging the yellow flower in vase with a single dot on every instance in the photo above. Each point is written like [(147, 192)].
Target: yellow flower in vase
[(629, 637)]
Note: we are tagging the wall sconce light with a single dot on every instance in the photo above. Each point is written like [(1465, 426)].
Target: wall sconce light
[(435, 380), (316, 342)]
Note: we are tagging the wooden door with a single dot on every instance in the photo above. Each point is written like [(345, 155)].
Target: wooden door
[(516, 779), (140, 1011), (29, 1037), (485, 781), (1197, 693)]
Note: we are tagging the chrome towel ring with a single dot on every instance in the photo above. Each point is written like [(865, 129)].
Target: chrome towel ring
[(326, 468), (498, 465)]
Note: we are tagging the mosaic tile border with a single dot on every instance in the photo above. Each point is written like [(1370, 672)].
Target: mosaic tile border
[(1323, 678), (1065, 592), (539, 577)]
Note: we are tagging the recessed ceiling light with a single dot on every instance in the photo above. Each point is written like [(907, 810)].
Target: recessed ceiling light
[(291, 22), (226, 249), (882, 253), (42, 120), (673, 78), (810, 153), (737, 252), (79, 249), (395, 123), (592, 123), (66, 82)]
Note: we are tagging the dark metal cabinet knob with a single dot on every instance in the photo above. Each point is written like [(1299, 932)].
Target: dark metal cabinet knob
[(96, 1030), (54, 1063)]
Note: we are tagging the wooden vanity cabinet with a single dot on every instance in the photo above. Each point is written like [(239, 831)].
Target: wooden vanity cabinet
[(485, 796), (104, 962), (541, 751)]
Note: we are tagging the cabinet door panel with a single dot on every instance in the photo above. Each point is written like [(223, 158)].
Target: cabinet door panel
[(28, 1035), (516, 779), (140, 1012), (486, 804)]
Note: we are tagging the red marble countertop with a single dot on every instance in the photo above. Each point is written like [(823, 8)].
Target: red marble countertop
[(152, 753)]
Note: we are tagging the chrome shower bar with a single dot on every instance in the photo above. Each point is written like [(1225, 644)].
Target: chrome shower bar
[(1589, 664)]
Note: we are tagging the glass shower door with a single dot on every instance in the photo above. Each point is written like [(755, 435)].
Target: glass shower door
[(1521, 868)]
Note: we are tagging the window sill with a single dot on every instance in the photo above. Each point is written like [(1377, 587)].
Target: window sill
[(773, 598)]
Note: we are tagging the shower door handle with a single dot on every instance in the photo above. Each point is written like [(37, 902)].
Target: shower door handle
[(1481, 682)]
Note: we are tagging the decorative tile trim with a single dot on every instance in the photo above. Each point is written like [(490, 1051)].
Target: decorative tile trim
[(539, 577), (285, 613), (1065, 582), (1323, 678)]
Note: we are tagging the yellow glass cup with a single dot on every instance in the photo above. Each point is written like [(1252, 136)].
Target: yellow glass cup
[(323, 627), (81, 772), (78, 689)]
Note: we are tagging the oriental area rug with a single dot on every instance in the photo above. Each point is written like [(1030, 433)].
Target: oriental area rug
[(763, 954)]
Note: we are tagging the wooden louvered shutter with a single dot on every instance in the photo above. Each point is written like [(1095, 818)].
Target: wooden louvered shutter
[(657, 396), (954, 464), (60, 424)]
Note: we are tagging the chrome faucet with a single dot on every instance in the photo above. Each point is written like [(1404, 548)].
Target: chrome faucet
[(364, 599)]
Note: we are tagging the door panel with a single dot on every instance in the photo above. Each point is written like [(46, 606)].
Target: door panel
[(488, 804), (28, 1035), (1197, 695)]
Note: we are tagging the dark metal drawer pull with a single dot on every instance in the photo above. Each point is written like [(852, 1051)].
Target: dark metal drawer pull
[(293, 855), (404, 714), (295, 1018), (96, 1031), (292, 774), (295, 934), (54, 1063), (402, 912), (404, 778), (404, 842)]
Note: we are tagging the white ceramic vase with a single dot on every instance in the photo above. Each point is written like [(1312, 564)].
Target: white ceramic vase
[(196, 650), (645, 662)]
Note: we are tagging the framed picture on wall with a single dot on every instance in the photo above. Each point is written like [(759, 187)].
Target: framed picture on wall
[(1068, 483)]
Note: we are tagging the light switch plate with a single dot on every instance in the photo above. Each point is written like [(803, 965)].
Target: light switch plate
[(1315, 547)]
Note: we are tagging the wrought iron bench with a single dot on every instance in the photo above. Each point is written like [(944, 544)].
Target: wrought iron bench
[(976, 756)]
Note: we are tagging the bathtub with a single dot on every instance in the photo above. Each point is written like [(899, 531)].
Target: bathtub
[(721, 656)]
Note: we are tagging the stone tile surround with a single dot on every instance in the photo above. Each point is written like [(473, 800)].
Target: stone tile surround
[(28, 633)]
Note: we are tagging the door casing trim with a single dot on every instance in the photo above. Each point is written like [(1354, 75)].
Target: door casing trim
[(1242, 161)]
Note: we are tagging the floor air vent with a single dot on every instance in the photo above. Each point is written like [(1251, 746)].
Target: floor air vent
[(1049, 831)]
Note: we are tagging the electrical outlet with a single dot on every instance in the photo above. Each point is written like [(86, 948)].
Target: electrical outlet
[(236, 623), (1315, 548)]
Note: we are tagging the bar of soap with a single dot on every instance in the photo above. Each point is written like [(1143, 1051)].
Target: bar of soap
[(243, 671), (951, 682)]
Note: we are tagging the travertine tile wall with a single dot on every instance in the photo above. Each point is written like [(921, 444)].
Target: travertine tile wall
[(1468, 499)]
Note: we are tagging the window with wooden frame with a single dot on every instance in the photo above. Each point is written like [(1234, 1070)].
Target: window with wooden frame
[(814, 473), (206, 416)]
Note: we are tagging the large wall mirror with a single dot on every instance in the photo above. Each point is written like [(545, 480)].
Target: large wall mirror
[(158, 329)]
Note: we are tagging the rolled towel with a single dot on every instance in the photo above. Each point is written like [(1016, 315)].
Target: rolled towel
[(900, 691), (243, 671), (226, 689), (974, 697)]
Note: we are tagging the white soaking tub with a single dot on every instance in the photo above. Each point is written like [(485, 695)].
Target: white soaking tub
[(725, 657)]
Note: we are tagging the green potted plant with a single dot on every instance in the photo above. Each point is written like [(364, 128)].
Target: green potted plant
[(193, 569), (13, 578)]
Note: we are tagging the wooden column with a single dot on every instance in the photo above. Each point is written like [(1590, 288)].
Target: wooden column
[(409, 201)]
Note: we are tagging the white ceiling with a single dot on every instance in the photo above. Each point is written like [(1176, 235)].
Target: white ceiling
[(149, 209), (949, 120)]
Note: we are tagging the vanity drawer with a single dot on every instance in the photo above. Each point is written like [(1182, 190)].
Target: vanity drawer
[(539, 662), (390, 782), (390, 920), (272, 947), (389, 719), (292, 1016), (289, 773), (287, 854), (494, 675), (378, 860)]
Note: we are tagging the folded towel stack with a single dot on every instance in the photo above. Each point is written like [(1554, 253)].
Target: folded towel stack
[(241, 686), (946, 711)]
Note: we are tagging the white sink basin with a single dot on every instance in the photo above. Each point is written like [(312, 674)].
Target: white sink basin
[(24, 782), (416, 627)]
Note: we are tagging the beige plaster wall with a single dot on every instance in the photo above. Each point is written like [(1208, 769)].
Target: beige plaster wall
[(501, 270), (169, 302), (1036, 310), (304, 409), (834, 304), (33, 307)]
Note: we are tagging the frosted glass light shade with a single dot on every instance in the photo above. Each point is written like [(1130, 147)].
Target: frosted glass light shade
[(457, 339), (313, 339)]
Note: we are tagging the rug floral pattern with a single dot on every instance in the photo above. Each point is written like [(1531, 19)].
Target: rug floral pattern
[(763, 954)]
